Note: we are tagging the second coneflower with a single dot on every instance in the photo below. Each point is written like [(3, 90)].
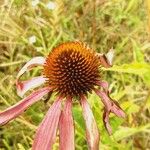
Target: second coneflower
[(71, 70)]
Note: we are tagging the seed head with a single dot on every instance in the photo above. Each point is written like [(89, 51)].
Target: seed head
[(72, 69)]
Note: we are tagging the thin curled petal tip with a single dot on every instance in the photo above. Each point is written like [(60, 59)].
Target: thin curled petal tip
[(30, 64), (106, 121), (24, 86), (117, 109)]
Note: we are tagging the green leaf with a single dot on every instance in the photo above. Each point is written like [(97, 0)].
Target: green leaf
[(124, 132), (130, 107), (140, 69), (133, 68)]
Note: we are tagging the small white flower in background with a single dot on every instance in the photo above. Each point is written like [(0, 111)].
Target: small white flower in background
[(51, 5), (32, 39), (35, 3)]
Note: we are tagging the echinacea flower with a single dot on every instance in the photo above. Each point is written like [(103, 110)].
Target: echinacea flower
[(71, 70)]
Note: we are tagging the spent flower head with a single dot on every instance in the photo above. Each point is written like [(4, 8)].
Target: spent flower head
[(71, 70)]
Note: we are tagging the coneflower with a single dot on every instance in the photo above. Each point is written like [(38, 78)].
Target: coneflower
[(71, 70)]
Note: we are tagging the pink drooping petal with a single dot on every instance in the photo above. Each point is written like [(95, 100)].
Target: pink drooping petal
[(110, 106), (15, 110), (30, 64), (91, 127), (24, 86), (66, 127), (46, 133)]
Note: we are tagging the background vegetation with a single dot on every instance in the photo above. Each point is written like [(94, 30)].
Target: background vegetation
[(32, 28)]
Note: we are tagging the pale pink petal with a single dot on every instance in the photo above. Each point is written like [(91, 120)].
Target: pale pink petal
[(15, 110), (30, 64), (110, 106), (46, 133), (24, 86), (91, 127), (66, 127)]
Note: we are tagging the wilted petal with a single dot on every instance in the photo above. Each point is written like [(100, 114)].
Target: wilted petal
[(30, 64), (116, 109), (91, 127), (110, 106), (110, 56), (15, 110), (66, 127), (103, 60), (105, 94), (106, 101), (103, 84), (24, 86), (46, 133), (106, 59), (106, 121)]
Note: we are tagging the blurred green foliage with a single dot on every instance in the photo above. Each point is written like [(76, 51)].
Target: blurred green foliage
[(32, 28)]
